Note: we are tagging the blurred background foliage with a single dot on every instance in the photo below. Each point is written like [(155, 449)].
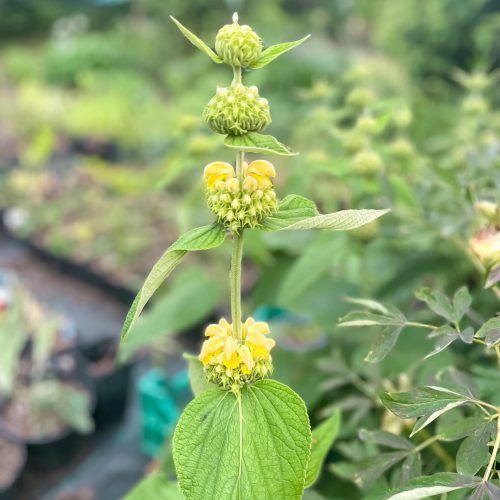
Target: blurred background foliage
[(390, 103)]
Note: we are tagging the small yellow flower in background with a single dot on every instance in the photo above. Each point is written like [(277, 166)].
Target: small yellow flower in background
[(241, 204), (486, 246), (231, 363)]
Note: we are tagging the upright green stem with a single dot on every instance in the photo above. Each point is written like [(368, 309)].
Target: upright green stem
[(235, 281), (235, 274), (237, 75), (493, 457)]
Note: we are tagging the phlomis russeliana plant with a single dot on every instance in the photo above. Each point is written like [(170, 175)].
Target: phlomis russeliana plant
[(245, 436)]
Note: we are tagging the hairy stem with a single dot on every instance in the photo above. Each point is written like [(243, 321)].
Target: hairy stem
[(235, 282), (236, 75)]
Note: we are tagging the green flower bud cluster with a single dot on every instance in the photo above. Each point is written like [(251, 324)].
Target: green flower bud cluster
[(239, 207), (237, 110), (402, 148), (234, 378), (238, 45), (367, 162), (360, 97)]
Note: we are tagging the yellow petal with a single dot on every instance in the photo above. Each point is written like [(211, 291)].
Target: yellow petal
[(262, 167), (250, 321), (215, 331), (255, 337), (217, 171), (211, 347), (231, 362), (262, 327), (231, 346), (246, 357)]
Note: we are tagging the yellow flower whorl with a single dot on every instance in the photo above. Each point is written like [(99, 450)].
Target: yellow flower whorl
[(240, 204), (231, 363)]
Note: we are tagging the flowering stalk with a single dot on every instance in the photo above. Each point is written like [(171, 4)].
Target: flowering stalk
[(230, 423)]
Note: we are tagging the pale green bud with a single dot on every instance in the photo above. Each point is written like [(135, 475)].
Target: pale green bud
[(402, 148), (353, 141), (489, 210), (238, 45), (237, 110), (367, 232), (367, 162), (360, 97), (475, 105), (366, 125), (402, 118)]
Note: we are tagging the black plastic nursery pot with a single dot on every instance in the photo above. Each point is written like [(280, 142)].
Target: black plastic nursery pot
[(112, 382), (78, 270), (49, 453), (9, 490)]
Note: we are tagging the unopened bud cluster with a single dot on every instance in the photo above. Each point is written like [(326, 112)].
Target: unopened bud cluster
[(238, 45), (237, 110), (242, 203)]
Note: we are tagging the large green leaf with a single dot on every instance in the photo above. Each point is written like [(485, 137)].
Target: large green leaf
[(323, 437), (429, 486), (197, 42), (291, 209), (253, 142), (255, 445), (201, 238), (344, 220), (155, 487), (271, 53)]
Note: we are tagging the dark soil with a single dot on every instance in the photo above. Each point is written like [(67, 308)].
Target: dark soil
[(11, 460)]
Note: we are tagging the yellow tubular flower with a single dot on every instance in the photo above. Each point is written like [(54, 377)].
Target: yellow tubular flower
[(218, 171), (231, 363), (261, 171)]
